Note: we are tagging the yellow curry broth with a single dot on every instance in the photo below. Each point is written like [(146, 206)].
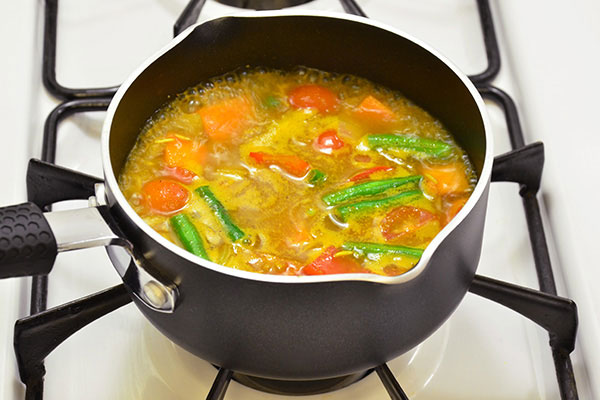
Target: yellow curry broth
[(286, 223)]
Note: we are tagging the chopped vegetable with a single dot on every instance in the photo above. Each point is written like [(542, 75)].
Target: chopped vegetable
[(182, 175), (188, 235), (221, 213), (328, 263), (377, 248), (373, 110), (313, 97), (329, 141), (367, 189), (183, 152), (454, 207), (291, 164), (226, 119), (446, 178), (430, 147), (164, 196), (271, 102), (369, 205), (403, 221), (316, 176), (365, 174)]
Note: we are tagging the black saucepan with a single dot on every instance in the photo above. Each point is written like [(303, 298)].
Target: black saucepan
[(282, 327)]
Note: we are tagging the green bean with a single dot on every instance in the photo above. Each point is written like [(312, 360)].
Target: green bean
[(431, 147), (367, 189), (220, 212), (271, 102), (316, 176), (370, 248), (360, 207), (188, 235)]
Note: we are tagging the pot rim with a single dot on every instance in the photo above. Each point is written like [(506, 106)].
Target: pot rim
[(480, 187)]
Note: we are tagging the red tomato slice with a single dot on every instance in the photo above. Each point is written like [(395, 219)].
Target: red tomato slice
[(365, 174), (327, 263), (181, 174), (328, 141), (164, 196), (404, 220), (313, 97)]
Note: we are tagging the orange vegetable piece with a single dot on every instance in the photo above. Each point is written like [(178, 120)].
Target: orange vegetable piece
[(327, 263), (445, 178), (291, 164), (403, 221), (180, 152), (313, 97), (454, 208), (226, 119), (373, 110), (164, 196), (181, 174)]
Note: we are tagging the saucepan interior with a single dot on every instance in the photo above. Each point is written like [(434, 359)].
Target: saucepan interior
[(331, 42)]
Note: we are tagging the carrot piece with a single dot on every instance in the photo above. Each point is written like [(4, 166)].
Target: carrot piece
[(445, 178), (328, 263), (164, 196), (226, 119), (365, 174), (373, 110), (313, 97), (454, 207), (180, 152), (291, 164)]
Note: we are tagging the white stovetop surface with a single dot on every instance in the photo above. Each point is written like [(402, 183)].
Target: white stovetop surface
[(550, 67)]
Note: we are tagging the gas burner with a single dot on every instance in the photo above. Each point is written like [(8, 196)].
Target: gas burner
[(263, 4)]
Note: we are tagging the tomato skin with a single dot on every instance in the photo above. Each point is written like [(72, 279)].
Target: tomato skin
[(454, 207), (403, 221), (328, 141), (365, 174), (291, 164), (327, 263), (181, 174), (313, 97), (164, 196)]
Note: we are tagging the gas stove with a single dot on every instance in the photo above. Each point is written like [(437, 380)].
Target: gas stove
[(483, 351)]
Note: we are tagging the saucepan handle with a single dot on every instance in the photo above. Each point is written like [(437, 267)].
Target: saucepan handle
[(27, 244)]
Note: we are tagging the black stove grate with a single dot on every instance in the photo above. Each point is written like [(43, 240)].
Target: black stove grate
[(523, 165)]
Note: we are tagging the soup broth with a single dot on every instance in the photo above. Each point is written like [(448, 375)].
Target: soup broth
[(298, 172)]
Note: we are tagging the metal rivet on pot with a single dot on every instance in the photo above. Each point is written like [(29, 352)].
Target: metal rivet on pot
[(155, 294)]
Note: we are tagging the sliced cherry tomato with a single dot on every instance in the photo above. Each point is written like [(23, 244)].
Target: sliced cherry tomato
[(365, 174), (373, 110), (181, 152), (403, 221), (181, 174), (164, 196), (445, 178), (313, 97), (328, 263), (328, 141), (291, 164), (226, 119)]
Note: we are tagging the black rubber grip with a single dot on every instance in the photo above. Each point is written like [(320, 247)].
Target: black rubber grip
[(27, 245)]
